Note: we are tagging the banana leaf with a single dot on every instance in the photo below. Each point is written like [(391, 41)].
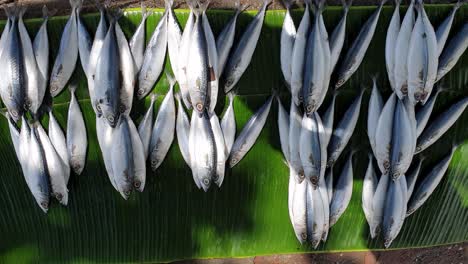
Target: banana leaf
[(248, 215)]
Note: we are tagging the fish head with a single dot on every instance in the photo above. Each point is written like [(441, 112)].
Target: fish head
[(15, 115), (340, 82), (141, 93), (62, 197), (54, 87), (206, 183), (138, 185)]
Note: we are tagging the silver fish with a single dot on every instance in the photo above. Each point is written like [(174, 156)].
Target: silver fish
[(452, 53), (77, 142), (182, 130), (241, 56), (288, 34), (145, 127), (85, 42), (121, 158), (342, 192), (67, 56), (153, 59), (322, 187), (394, 205), (338, 36), (422, 116), (58, 140), (6, 29), (358, 49), (105, 136), (297, 206), (383, 135), (329, 184), (14, 133), (228, 123), (295, 127), (163, 130), (411, 178), (249, 133), (390, 43), (283, 128), (326, 54), (378, 202), (368, 189), (443, 29), (311, 149), (373, 114), (138, 156), (344, 130), (174, 36), (402, 142), (440, 125), (315, 231), (137, 42), (430, 182), (328, 119), (221, 153)]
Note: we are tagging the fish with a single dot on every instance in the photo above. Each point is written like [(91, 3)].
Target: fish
[(85, 42), (373, 114), (430, 182), (67, 55), (137, 41), (342, 192), (221, 153), (14, 133), (249, 133), (311, 149), (174, 36), (326, 208), (394, 205), (288, 34), (423, 114), (390, 43), (452, 53), (316, 224), (121, 151), (329, 184), (241, 56), (412, 176), (283, 129), (443, 29), (384, 135), (404, 191), (6, 29), (298, 210), (378, 203), (422, 58), (344, 130), (104, 134), (328, 119), (58, 140), (145, 127), (298, 55), (225, 39), (153, 58), (368, 190), (77, 142), (164, 126), (182, 130), (295, 127), (326, 53), (440, 125), (137, 156), (338, 36), (228, 123), (55, 167), (402, 142), (355, 54), (400, 68)]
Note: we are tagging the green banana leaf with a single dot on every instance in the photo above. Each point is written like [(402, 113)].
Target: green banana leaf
[(248, 215)]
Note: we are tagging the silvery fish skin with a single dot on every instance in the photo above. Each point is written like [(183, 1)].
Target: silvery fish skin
[(298, 55), (14, 133), (378, 203), (390, 43), (198, 75), (394, 205), (404, 190), (400, 70), (153, 59), (221, 154), (329, 184), (226, 38), (344, 130), (342, 192), (383, 135), (138, 156), (328, 119), (422, 116), (137, 42), (368, 189), (174, 36), (24, 141), (145, 127), (428, 185), (288, 34), (183, 130), (403, 139), (228, 123), (297, 206), (56, 168), (163, 130), (422, 58), (77, 142), (411, 178), (57, 138), (85, 42), (311, 150), (104, 135), (443, 29), (316, 229), (295, 127), (322, 187), (440, 125), (326, 53), (121, 158), (249, 133), (283, 127), (373, 114), (6, 30), (107, 78), (356, 53), (452, 53), (241, 56), (127, 71), (67, 56), (338, 36), (410, 110)]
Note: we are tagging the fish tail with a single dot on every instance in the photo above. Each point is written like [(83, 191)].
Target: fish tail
[(459, 4), (170, 78), (203, 6), (99, 6), (240, 8), (46, 13), (72, 87), (76, 4), (21, 10), (145, 13), (168, 4), (287, 3), (231, 95), (266, 3), (153, 97), (192, 4), (346, 5)]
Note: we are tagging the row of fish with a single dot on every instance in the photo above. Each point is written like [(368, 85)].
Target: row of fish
[(397, 130)]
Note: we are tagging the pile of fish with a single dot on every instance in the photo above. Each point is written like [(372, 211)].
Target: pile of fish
[(45, 156), (309, 141), (398, 131)]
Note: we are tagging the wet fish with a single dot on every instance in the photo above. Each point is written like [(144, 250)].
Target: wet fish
[(288, 34), (221, 153), (174, 36), (440, 125), (298, 210), (121, 152), (402, 148), (384, 134), (443, 29), (104, 134), (329, 184), (283, 127), (338, 35), (85, 42), (452, 53), (328, 119), (412, 176), (311, 149), (430, 182), (315, 230), (228, 123), (326, 54), (295, 127), (14, 133), (138, 156), (182, 130), (6, 29), (249, 133), (368, 189), (163, 130), (390, 43), (358, 49), (137, 42), (241, 56), (58, 140), (67, 56), (344, 130), (77, 142), (342, 192), (378, 203), (373, 114), (153, 58), (394, 206), (422, 116), (145, 127)]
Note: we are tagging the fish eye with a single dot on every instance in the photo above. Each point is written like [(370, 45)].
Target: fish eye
[(45, 205), (137, 184), (140, 91), (199, 106), (206, 181), (234, 161), (59, 196), (110, 118)]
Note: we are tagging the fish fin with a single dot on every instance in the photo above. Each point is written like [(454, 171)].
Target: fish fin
[(46, 13), (170, 78)]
